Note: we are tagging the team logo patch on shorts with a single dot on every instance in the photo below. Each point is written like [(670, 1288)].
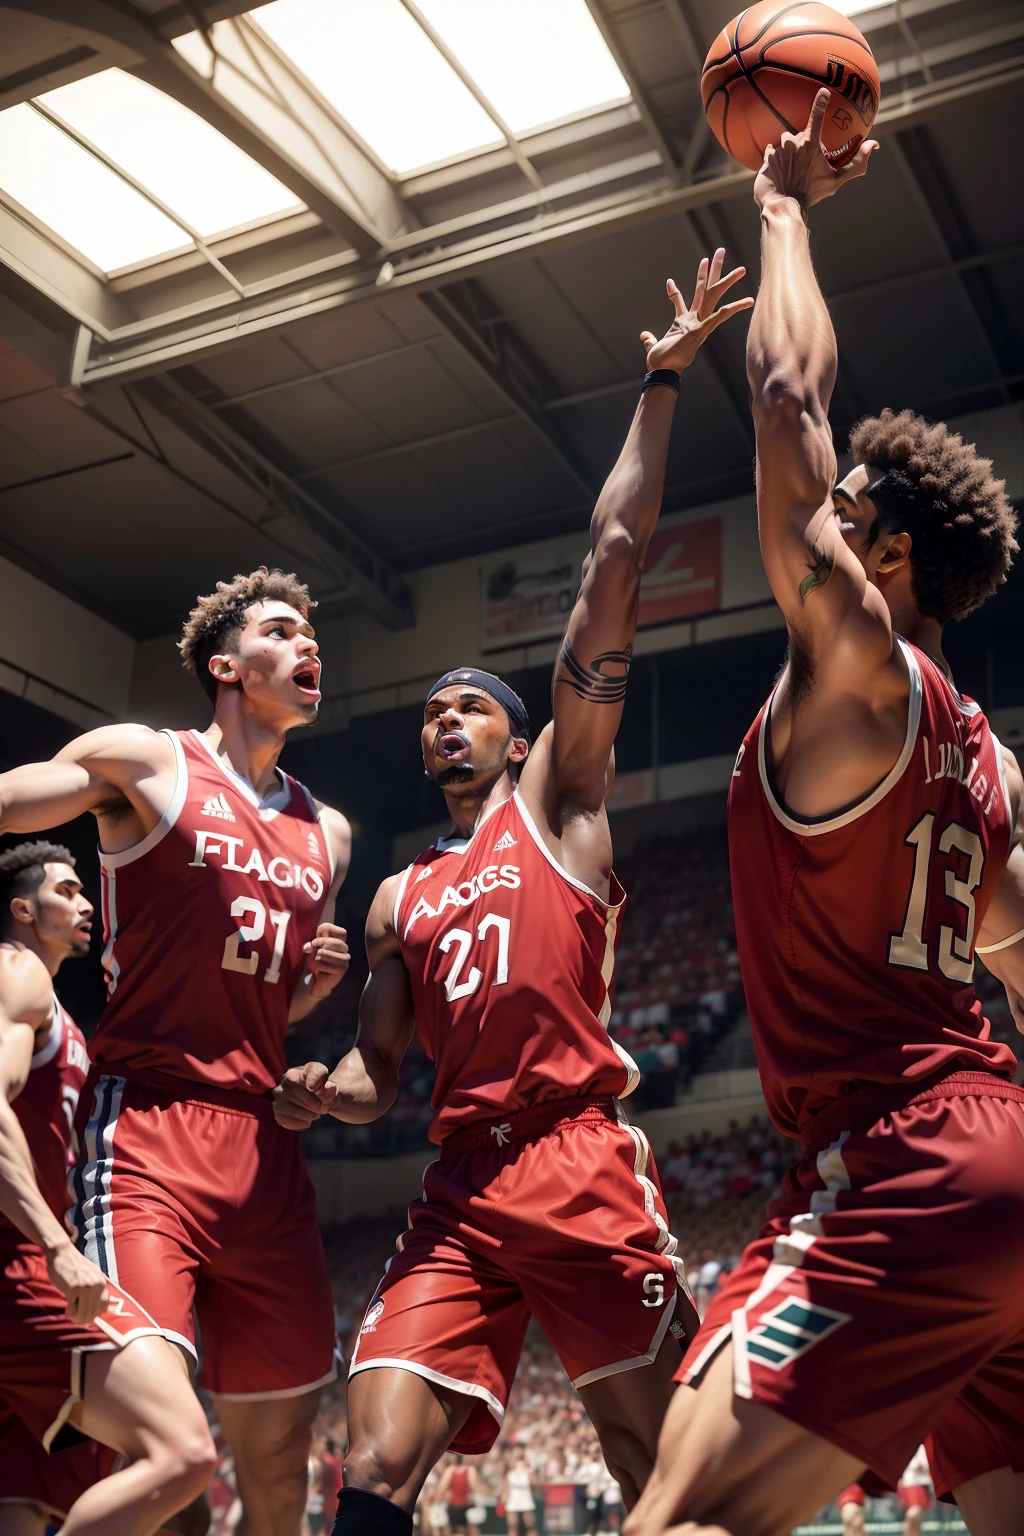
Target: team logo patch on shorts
[(790, 1330), (373, 1317)]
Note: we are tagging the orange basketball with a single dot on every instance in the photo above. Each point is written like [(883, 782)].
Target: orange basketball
[(765, 68)]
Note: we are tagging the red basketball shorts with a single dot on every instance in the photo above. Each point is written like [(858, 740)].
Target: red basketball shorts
[(852, 1495), (54, 1480), (205, 1202), (554, 1211), (42, 1350), (913, 1496), (883, 1298)]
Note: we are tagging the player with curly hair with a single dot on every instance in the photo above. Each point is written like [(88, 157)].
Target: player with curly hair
[(875, 829), (219, 876)]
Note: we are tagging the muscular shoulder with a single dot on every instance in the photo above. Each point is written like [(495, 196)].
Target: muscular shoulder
[(26, 991), (132, 745), (381, 937)]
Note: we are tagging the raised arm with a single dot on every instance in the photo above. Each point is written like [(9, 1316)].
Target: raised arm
[(365, 1082), (791, 367), (26, 1002), (589, 684), (105, 767)]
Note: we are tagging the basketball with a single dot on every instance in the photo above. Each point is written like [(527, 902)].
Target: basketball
[(765, 68)]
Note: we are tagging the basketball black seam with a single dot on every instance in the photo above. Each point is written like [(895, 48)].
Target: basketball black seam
[(746, 74), (820, 32), (769, 23)]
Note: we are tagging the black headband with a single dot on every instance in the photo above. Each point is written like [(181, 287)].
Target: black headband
[(511, 703)]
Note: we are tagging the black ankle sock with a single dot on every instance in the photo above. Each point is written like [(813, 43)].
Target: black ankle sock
[(367, 1514)]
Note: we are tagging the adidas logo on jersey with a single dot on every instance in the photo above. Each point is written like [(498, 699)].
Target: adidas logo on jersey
[(424, 874), (217, 805), (790, 1330), (506, 840), (313, 845)]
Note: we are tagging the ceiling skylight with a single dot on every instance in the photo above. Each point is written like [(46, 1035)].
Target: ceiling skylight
[(188, 165), (377, 67), (76, 196), (535, 60)]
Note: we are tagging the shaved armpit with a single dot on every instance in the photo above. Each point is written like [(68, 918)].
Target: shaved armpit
[(594, 684), (821, 565)]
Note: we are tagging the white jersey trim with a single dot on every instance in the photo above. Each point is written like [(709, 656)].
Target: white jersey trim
[(815, 828), (634, 1361), (466, 1388), (398, 899), (280, 1393), (534, 832), (332, 862), (1001, 766), (460, 844), (268, 808), (48, 1050), (113, 861)]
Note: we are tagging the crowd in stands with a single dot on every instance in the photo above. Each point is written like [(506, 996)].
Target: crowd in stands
[(677, 992)]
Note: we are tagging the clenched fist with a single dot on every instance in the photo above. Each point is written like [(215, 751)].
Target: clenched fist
[(303, 1095), (327, 959), (80, 1281)]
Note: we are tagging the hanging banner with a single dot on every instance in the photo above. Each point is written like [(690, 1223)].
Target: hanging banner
[(682, 572), (529, 596)]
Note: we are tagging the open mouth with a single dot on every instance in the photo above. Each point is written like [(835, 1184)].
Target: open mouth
[(83, 928), (307, 681), (454, 746)]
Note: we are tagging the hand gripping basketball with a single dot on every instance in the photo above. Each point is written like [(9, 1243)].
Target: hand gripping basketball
[(796, 166), (678, 347)]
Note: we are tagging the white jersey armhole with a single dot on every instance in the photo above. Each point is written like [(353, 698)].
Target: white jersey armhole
[(535, 834), (814, 827), (114, 861), (51, 1045), (398, 899)]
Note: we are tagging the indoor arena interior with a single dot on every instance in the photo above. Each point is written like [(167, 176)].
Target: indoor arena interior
[(382, 387)]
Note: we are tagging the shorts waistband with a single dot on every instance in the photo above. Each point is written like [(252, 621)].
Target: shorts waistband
[(184, 1090), (521, 1125), (857, 1110)]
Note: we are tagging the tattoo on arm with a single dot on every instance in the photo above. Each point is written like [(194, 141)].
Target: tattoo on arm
[(822, 564), (594, 683)]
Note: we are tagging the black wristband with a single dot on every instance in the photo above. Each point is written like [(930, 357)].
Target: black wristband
[(661, 376)]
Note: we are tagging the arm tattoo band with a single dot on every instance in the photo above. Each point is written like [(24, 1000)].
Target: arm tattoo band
[(591, 683), (822, 565)]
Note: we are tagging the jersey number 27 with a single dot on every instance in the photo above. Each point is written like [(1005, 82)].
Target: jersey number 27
[(462, 942)]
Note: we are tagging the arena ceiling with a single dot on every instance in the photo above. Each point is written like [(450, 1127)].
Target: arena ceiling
[(355, 285)]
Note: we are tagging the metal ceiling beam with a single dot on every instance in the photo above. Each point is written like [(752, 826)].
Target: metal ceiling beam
[(364, 579), (286, 149), (454, 63), (918, 160), (204, 328), (506, 362), (411, 445), (637, 90)]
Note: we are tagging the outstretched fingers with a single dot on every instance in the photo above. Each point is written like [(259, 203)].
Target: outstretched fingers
[(725, 283), (677, 300), (859, 164), (726, 312)]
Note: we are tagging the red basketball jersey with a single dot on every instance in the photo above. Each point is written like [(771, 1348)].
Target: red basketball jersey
[(856, 932), (510, 960), (46, 1109), (204, 923)]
